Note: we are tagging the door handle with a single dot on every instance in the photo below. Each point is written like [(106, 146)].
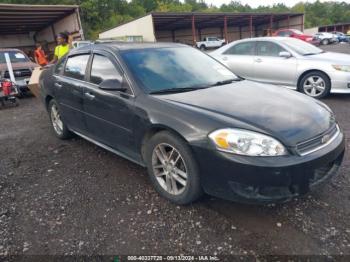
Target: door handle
[(258, 60), (90, 96), (58, 85), (225, 58)]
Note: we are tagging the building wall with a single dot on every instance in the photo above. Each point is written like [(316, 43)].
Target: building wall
[(139, 27), (311, 31), (233, 32)]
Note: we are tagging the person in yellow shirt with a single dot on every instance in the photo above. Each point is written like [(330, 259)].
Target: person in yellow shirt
[(62, 48)]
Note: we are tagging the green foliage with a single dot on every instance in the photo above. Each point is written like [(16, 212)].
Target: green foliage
[(99, 15)]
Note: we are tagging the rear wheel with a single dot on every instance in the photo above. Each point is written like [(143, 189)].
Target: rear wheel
[(315, 84), (325, 42), (172, 168), (59, 127)]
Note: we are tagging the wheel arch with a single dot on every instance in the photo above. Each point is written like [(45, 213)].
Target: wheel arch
[(48, 98), (154, 130), (309, 71)]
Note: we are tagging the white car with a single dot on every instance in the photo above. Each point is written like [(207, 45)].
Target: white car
[(210, 42), (326, 38), (288, 62)]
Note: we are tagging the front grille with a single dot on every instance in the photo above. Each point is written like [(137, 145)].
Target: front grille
[(317, 142), (19, 73)]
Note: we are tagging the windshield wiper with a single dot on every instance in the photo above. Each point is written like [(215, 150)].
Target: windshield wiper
[(226, 82), (307, 54), (177, 90)]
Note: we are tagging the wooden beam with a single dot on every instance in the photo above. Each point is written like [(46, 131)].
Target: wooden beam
[(225, 29), (251, 26), (194, 31)]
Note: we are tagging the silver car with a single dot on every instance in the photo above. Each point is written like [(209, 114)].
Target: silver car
[(288, 62)]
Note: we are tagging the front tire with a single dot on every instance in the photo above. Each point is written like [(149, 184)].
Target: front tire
[(315, 84), (202, 48), (59, 127), (172, 168)]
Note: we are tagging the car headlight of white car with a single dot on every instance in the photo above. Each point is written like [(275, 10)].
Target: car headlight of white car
[(344, 68), (247, 143)]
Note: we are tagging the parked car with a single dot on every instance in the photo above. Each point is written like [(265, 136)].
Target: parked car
[(210, 42), (288, 62), (341, 36), (22, 68), (195, 125), (296, 34), (326, 38)]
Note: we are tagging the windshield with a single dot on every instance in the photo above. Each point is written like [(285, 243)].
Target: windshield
[(15, 57), (301, 47), (158, 69)]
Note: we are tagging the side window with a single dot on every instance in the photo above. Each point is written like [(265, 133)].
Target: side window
[(59, 66), (102, 69), (247, 48), (76, 66), (268, 49)]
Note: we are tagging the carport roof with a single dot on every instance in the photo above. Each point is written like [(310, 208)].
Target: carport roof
[(17, 19), (172, 21)]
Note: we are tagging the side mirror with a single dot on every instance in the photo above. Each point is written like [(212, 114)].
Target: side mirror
[(285, 54), (113, 84)]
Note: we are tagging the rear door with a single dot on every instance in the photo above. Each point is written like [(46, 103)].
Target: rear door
[(269, 67), (109, 114), (240, 59), (69, 89)]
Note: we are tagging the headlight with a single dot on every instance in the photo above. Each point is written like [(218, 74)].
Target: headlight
[(345, 68), (248, 143)]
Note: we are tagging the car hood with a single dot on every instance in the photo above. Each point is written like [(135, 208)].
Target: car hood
[(287, 115), (332, 57)]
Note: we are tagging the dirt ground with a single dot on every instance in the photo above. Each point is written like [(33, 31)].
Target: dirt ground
[(73, 198)]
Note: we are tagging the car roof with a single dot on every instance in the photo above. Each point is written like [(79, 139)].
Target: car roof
[(10, 49), (118, 46)]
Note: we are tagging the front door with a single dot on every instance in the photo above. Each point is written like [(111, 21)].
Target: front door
[(109, 114), (269, 67)]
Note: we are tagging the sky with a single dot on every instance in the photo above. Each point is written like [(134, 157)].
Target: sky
[(256, 3)]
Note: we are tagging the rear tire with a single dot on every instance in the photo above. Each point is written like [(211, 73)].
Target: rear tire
[(172, 168), (315, 84), (325, 42), (59, 127)]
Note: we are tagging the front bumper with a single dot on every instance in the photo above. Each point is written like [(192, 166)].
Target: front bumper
[(267, 179), (340, 82)]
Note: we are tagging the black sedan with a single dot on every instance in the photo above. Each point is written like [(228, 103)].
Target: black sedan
[(196, 126)]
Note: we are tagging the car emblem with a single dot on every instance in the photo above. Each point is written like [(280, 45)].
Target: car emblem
[(325, 139)]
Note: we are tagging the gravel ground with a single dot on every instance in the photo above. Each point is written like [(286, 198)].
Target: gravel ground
[(71, 197)]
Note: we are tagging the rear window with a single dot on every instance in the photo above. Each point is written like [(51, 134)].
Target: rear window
[(15, 57)]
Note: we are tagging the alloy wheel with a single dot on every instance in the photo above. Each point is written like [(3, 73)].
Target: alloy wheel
[(56, 120), (169, 169), (314, 86)]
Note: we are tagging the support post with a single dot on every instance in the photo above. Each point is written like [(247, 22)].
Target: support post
[(335, 28), (288, 22), (326, 28), (251, 26), (193, 31), (173, 35), (343, 29), (271, 26), (225, 29)]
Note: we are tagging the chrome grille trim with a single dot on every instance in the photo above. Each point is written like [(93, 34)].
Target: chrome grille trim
[(319, 146)]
